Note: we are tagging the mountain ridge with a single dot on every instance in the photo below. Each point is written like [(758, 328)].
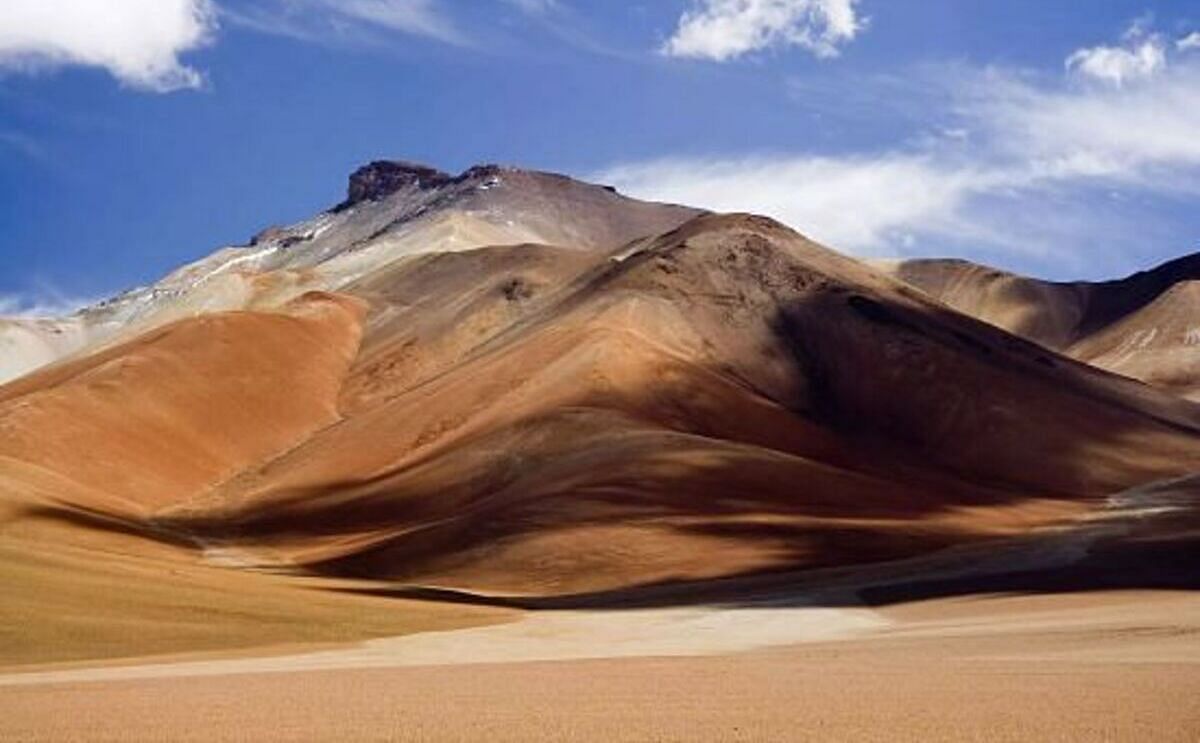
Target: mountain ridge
[(392, 208), (1138, 326)]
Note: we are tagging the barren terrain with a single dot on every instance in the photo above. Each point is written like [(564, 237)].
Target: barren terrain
[(512, 455)]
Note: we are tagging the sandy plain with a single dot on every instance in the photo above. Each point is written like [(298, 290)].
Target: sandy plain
[(1112, 665)]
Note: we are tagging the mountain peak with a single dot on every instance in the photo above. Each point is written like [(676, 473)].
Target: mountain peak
[(380, 178)]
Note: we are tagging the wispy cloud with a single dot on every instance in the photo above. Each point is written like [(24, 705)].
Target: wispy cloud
[(1017, 165), (534, 7), (722, 30), (1140, 55), (42, 301), (138, 41), (23, 143), (317, 20), (419, 17)]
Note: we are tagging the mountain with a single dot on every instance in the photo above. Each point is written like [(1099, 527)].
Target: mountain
[(393, 210), (1143, 326), (513, 383)]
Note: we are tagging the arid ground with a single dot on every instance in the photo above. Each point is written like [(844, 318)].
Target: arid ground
[(1107, 666)]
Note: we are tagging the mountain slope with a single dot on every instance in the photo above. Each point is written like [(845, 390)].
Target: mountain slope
[(727, 397), (1143, 326), (180, 408), (513, 382), (393, 210)]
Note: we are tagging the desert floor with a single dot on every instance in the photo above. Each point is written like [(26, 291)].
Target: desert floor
[(1099, 665)]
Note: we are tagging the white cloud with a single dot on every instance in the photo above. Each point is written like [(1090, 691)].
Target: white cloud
[(1191, 41), (726, 29), (137, 41), (1098, 133), (859, 203), (1141, 55), (1016, 170)]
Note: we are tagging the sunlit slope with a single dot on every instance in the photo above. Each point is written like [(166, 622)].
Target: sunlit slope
[(91, 450), (179, 409), (1144, 326)]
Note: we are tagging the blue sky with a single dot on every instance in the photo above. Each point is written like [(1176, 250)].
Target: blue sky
[(1053, 137)]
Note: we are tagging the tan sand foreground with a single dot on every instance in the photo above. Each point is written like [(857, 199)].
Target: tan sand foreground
[(1088, 666), (556, 635)]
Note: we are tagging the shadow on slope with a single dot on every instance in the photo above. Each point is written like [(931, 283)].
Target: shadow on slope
[(727, 399), (1150, 561)]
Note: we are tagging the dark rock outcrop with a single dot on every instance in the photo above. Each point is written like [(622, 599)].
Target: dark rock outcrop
[(380, 178)]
